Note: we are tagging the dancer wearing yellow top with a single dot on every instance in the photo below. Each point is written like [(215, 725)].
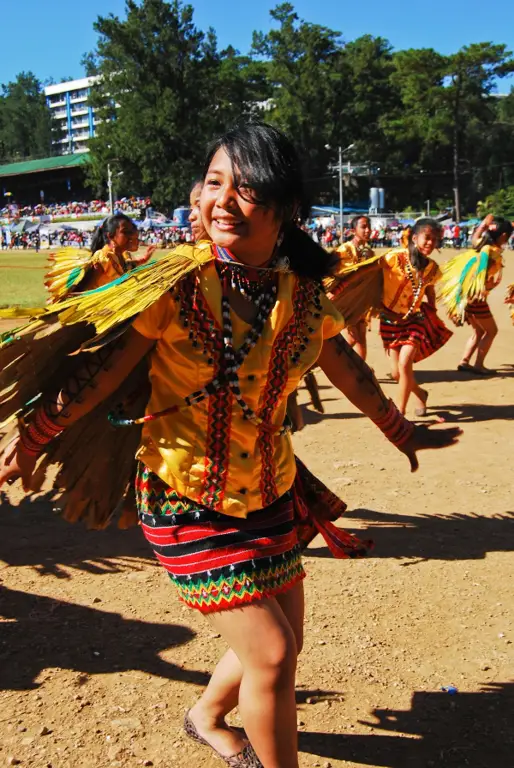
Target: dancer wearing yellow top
[(230, 328), (409, 326), (353, 252), (467, 281), (400, 287), (112, 246)]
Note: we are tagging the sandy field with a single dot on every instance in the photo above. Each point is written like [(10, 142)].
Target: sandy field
[(99, 661)]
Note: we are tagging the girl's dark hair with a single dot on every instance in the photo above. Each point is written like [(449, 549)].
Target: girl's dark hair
[(356, 219), (198, 182), (491, 236), (267, 171), (108, 227), (417, 259)]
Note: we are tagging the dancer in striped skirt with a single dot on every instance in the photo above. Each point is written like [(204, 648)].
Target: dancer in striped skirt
[(230, 327), (409, 326), (467, 281)]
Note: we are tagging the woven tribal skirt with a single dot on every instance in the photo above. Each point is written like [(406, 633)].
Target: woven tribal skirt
[(218, 562), (479, 310), (425, 330)]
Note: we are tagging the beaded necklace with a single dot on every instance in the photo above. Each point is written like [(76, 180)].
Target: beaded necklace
[(417, 286), (363, 251), (261, 285)]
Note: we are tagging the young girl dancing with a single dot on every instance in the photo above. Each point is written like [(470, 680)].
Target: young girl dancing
[(230, 328), (466, 283), (112, 246)]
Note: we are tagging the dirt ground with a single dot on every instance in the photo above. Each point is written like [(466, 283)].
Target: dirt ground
[(98, 660)]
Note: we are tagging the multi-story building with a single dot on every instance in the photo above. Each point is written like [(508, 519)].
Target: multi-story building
[(68, 103)]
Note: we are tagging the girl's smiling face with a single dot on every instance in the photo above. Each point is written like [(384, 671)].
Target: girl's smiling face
[(247, 229), (426, 240)]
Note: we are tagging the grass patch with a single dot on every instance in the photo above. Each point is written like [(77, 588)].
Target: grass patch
[(21, 278)]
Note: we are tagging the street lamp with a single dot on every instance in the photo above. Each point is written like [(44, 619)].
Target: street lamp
[(110, 187)]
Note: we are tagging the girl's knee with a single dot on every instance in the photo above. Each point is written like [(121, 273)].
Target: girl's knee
[(277, 660)]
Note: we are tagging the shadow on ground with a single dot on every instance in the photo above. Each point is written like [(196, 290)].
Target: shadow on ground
[(430, 537), (31, 534), (471, 730), (40, 633), (453, 375)]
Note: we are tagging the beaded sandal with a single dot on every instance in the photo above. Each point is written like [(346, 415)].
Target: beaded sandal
[(244, 759)]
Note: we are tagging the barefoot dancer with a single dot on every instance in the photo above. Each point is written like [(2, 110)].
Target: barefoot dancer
[(243, 318), (353, 252), (467, 281), (410, 327), (394, 285)]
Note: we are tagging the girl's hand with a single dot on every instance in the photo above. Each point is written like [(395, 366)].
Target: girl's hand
[(147, 255), (15, 463), (424, 438)]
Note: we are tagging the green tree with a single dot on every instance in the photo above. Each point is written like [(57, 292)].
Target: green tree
[(305, 74), (500, 203), (164, 91), (25, 121), (472, 105), (325, 93)]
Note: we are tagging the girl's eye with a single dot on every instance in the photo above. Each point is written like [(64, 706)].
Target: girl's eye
[(213, 182)]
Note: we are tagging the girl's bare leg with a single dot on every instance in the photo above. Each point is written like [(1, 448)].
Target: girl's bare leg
[(394, 359), (472, 343), (263, 680), (490, 330), (407, 382), (355, 335)]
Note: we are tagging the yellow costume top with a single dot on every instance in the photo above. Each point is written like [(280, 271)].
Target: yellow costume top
[(494, 265), (107, 266), (404, 286), (350, 254), (209, 452), (72, 270)]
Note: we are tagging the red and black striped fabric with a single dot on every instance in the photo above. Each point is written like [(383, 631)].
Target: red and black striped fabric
[(425, 330), (218, 562), (215, 561), (478, 309)]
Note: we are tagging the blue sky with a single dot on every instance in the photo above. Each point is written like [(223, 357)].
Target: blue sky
[(50, 37)]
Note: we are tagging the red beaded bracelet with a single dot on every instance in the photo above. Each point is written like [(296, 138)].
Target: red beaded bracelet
[(41, 431), (395, 426)]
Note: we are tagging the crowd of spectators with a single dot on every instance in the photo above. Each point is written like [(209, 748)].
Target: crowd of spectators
[(325, 230), (100, 208)]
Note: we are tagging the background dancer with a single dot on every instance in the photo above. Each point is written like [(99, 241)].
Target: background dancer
[(466, 283), (395, 285), (112, 246), (353, 252)]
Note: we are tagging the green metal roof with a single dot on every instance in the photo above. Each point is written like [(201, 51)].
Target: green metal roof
[(46, 164)]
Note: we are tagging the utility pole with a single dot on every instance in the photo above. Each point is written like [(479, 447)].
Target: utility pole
[(109, 186), (341, 189)]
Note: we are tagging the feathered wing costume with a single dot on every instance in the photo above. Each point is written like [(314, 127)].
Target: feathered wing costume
[(463, 280), (66, 270), (357, 289), (36, 358)]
